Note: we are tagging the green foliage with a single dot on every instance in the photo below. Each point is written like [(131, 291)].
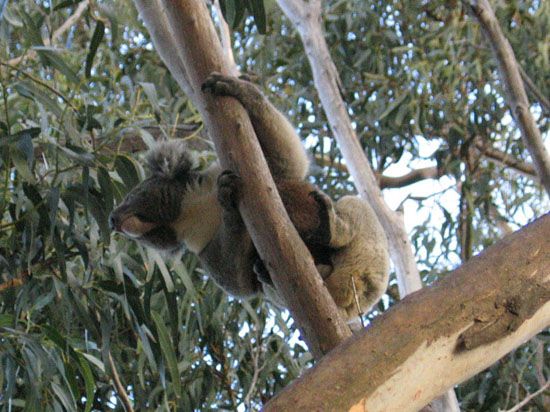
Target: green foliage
[(81, 296), (73, 296), (234, 12)]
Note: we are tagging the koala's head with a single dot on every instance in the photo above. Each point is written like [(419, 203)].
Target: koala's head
[(148, 213)]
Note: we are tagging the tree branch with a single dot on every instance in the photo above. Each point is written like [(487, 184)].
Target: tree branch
[(390, 182), (225, 38), (529, 398), (119, 387), (288, 260), (325, 77), (514, 89), (156, 21), (505, 159), (544, 102), (12, 283), (439, 336)]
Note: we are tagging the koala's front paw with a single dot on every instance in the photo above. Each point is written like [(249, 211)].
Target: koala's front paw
[(221, 85), (229, 189)]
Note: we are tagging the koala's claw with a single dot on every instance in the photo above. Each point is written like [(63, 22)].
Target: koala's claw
[(245, 77), (229, 189), (323, 235), (324, 202), (261, 271)]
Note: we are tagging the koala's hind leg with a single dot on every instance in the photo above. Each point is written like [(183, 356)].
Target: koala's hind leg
[(365, 260), (281, 145)]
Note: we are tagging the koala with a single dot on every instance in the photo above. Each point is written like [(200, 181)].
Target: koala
[(180, 206)]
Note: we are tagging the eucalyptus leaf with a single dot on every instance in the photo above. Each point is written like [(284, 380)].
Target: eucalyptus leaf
[(97, 37), (168, 352)]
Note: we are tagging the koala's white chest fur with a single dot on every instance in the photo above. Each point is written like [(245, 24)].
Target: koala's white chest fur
[(200, 218)]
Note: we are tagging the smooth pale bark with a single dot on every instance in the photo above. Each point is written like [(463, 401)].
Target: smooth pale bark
[(438, 336), (192, 34), (155, 19), (515, 94)]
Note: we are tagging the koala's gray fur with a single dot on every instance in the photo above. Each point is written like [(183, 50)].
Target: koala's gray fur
[(180, 206)]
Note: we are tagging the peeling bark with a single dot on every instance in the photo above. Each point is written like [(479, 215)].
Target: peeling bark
[(438, 336)]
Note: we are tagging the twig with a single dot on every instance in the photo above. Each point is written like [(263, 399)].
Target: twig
[(505, 159), (356, 298), (40, 82), (544, 102), (390, 182), (72, 19), (5, 99), (119, 387), (529, 398), (27, 273), (257, 369), (12, 283), (500, 221)]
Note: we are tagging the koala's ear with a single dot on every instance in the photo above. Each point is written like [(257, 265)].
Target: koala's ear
[(171, 159)]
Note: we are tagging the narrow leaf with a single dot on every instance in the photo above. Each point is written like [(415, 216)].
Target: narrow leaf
[(99, 32), (167, 348), (258, 11), (89, 381)]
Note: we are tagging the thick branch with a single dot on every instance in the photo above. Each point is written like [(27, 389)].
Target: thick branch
[(515, 92), (438, 336), (225, 38), (277, 241), (156, 21)]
